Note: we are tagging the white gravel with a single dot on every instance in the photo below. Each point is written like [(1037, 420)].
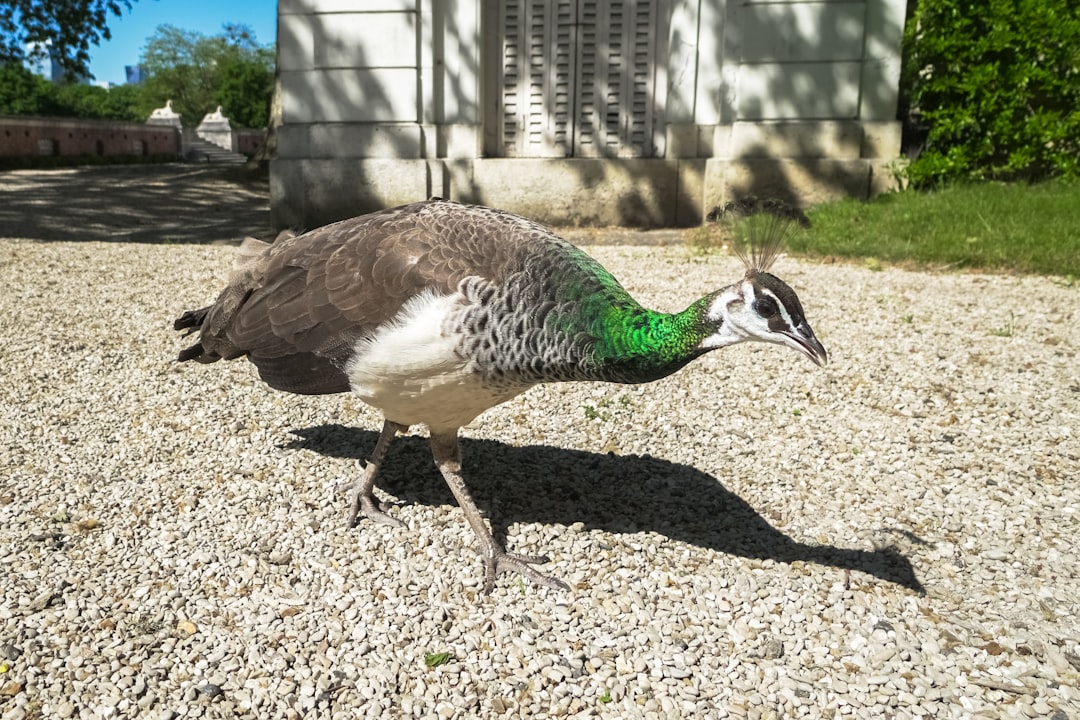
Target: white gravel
[(745, 539)]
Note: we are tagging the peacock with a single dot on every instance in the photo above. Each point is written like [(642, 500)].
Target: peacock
[(436, 311)]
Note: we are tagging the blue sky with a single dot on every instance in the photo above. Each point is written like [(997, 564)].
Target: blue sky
[(130, 31)]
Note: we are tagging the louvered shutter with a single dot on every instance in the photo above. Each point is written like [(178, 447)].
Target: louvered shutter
[(616, 78), (536, 79), (578, 78)]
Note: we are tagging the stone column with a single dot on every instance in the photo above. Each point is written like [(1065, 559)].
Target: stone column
[(168, 117)]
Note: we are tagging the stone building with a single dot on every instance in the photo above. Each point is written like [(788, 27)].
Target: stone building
[(628, 112)]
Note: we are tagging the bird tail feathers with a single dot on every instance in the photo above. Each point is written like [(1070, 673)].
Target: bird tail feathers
[(251, 250), (191, 321), (245, 268)]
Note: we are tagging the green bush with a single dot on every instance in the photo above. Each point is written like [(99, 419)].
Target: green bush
[(996, 83)]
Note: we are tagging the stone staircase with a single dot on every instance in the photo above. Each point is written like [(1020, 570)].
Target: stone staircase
[(201, 151)]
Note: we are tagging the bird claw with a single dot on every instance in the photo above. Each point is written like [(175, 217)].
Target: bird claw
[(368, 506), (500, 561)]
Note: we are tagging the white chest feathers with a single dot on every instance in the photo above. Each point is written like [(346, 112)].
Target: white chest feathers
[(410, 369)]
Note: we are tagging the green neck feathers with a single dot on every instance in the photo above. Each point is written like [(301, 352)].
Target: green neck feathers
[(633, 344)]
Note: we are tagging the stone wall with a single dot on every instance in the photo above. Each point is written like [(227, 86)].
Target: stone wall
[(246, 142), (390, 101), (43, 136)]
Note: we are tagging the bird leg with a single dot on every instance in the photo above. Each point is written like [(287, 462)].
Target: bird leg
[(447, 452), (361, 498)]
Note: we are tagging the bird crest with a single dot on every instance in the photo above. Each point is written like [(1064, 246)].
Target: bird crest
[(758, 229)]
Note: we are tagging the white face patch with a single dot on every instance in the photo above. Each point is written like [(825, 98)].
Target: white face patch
[(718, 310), (725, 310), (762, 309)]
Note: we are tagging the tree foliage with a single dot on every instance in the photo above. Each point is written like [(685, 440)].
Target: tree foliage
[(90, 101), (64, 29), (198, 73), (24, 93), (996, 84)]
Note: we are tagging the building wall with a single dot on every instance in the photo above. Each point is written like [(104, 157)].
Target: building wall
[(28, 136), (390, 101)]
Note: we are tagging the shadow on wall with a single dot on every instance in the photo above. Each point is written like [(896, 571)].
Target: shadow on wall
[(675, 500), (343, 164), (368, 145), (835, 65)]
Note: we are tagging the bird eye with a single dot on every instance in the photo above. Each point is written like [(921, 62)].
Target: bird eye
[(765, 307)]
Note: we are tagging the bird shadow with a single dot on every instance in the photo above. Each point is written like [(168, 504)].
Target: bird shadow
[(553, 485)]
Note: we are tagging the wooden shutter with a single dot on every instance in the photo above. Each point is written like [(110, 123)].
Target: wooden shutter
[(537, 74), (616, 78), (578, 78)]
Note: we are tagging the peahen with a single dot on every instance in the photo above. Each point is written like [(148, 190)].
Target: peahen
[(436, 311)]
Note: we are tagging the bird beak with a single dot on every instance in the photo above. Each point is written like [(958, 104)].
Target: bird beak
[(804, 340)]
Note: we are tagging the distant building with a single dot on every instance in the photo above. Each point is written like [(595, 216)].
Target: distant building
[(49, 67), (135, 74), (45, 67)]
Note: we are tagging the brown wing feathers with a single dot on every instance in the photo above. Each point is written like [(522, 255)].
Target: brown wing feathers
[(297, 307)]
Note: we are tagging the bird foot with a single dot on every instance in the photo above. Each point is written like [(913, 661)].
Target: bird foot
[(361, 503), (500, 561)]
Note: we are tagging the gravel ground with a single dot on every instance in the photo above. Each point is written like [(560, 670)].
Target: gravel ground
[(893, 536), (171, 203)]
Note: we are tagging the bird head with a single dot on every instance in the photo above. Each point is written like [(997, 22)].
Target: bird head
[(761, 306)]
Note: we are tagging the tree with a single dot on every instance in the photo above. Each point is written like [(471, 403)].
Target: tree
[(92, 102), (24, 93), (198, 73), (124, 102), (245, 78), (62, 29), (179, 65)]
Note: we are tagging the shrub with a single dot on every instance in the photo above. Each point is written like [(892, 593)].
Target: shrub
[(996, 86)]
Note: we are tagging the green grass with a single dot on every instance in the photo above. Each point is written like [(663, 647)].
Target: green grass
[(994, 226)]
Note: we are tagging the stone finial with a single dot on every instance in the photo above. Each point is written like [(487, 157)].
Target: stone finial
[(164, 112), (165, 115), (215, 128)]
